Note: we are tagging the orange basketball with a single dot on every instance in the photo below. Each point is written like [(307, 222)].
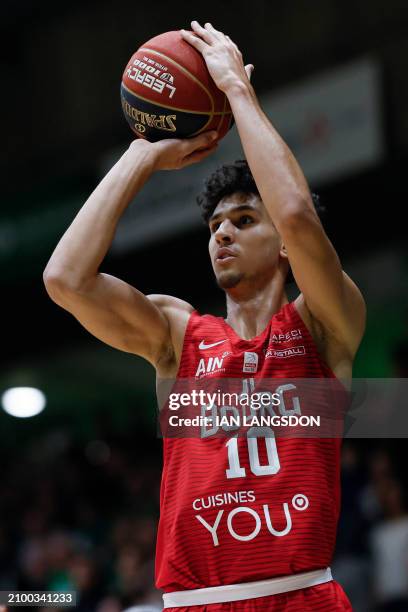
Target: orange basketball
[(167, 91)]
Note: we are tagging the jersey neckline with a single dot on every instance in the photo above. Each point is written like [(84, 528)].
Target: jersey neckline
[(231, 332)]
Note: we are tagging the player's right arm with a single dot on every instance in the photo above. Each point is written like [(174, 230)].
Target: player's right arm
[(109, 308)]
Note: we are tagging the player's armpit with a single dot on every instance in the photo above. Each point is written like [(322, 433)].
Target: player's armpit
[(329, 293), (118, 314)]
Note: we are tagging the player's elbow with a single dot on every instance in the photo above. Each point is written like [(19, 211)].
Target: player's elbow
[(53, 288), (58, 286)]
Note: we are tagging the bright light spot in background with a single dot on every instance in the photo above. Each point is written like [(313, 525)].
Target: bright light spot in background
[(23, 402)]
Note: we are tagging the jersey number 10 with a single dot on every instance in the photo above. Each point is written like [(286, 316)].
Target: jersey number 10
[(272, 467)]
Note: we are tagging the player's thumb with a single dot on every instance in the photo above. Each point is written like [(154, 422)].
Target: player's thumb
[(249, 68)]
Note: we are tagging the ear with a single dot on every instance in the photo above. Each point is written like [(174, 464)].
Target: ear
[(282, 252)]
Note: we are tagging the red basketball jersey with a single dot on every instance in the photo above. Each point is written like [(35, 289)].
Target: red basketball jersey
[(225, 517)]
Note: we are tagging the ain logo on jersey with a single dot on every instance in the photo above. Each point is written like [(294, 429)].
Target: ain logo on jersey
[(208, 366), (215, 365)]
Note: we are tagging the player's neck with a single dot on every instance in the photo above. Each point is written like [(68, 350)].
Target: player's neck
[(249, 314)]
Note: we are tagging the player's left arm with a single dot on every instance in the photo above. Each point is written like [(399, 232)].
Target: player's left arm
[(330, 295)]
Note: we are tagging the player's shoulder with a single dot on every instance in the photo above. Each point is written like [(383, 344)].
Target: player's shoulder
[(177, 312), (352, 321), (315, 328), (346, 340), (163, 301)]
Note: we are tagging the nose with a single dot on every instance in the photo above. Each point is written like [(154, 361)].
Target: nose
[(225, 232)]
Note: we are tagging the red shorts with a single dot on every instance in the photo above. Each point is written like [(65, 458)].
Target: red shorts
[(327, 597)]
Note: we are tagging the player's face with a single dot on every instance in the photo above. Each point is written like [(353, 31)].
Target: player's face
[(244, 243)]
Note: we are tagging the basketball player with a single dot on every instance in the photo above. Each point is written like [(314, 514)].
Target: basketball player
[(240, 529)]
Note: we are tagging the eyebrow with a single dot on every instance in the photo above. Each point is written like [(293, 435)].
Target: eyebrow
[(236, 209)]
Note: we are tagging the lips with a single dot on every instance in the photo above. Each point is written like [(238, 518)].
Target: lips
[(224, 253)]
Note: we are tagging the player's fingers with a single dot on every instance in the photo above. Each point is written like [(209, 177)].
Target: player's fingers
[(198, 156), (205, 34), (249, 68), (210, 28), (193, 40), (202, 141), (232, 42)]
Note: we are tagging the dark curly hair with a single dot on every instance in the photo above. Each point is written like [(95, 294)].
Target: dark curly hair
[(229, 179), (233, 178)]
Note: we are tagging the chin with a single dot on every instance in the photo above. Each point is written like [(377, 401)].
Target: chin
[(227, 280)]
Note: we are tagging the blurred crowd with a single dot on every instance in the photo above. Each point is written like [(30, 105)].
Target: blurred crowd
[(371, 560), (84, 517)]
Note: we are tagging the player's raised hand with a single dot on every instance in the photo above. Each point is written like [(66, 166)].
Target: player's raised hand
[(173, 154), (221, 54)]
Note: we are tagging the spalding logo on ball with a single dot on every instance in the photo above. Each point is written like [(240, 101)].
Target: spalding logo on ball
[(167, 92)]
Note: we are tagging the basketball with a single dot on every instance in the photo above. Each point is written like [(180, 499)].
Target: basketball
[(167, 92)]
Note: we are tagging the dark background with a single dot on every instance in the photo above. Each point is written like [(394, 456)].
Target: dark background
[(79, 493)]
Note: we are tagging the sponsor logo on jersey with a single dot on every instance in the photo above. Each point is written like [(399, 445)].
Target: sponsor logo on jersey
[(293, 351), (293, 334), (250, 362), (225, 523), (203, 346), (209, 366)]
